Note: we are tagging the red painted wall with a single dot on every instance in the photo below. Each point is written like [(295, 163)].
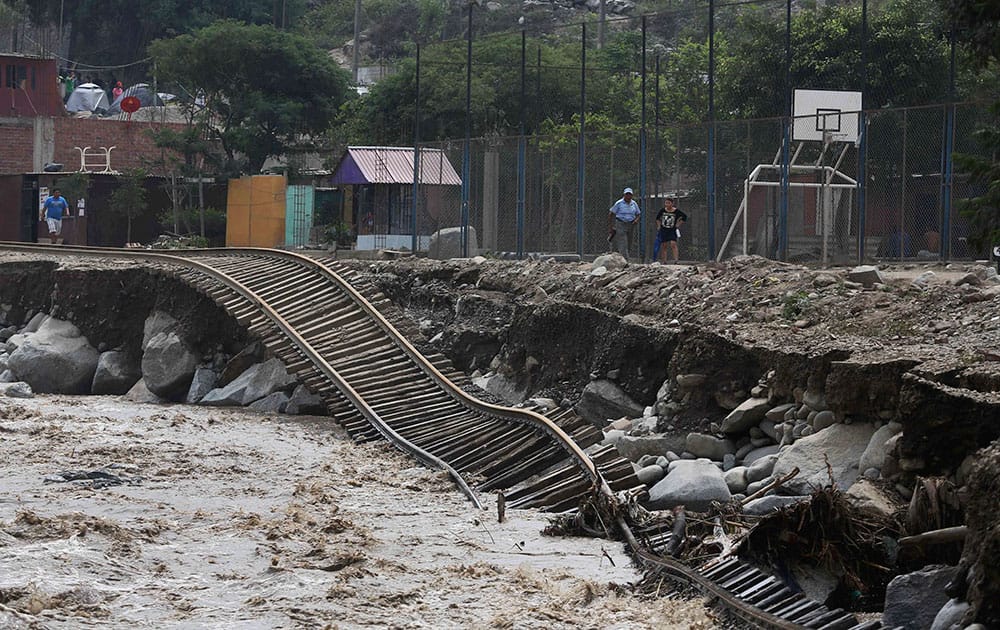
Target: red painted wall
[(28, 87)]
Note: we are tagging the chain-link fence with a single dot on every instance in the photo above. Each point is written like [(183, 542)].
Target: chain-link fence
[(910, 210), (696, 106)]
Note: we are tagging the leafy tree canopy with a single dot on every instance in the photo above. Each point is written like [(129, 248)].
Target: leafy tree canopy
[(908, 57), (108, 32), (264, 90), (978, 22), (978, 25)]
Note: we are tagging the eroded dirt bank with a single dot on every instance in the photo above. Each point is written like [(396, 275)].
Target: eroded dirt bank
[(919, 347)]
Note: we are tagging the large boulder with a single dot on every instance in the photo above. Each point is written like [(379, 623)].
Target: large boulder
[(603, 400), (272, 403), (749, 413), (116, 373), (141, 394), (259, 381), (914, 599), (611, 262), (157, 322), (244, 359), (168, 366), (204, 380), (633, 447), (709, 446), (19, 389), (761, 468), (875, 452), (447, 243), (867, 497), (840, 445), (303, 402), (35, 323), (867, 275), (694, 484), (759, 453), (952, 615), (770, 503), (56, 359)]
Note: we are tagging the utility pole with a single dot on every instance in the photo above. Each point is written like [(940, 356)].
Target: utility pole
[(601, 15), (357, 38)]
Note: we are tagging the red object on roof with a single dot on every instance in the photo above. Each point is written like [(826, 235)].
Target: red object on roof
[(130, 104)]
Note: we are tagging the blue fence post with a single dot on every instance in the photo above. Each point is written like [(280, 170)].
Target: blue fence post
[(642, 152), (710, 184), (520, 155), (467, 150), (415, 206), (582, 151), (947, 180), (786, 149), (949, 147), (862, 187)]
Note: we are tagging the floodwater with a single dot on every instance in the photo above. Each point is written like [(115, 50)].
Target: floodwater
[(244, 520)]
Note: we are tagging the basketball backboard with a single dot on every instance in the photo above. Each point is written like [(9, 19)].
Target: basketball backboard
[(818, 112)]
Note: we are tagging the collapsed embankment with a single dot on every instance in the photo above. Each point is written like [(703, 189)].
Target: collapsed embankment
[(685, 355), (684, 347)]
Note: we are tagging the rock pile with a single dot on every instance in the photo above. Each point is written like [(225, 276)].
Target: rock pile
[(760, 441), (50, 355)]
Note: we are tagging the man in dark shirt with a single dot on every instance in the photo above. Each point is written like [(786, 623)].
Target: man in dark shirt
[(667, 221)]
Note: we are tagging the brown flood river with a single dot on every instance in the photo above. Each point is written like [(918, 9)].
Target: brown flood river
[(246, 520)]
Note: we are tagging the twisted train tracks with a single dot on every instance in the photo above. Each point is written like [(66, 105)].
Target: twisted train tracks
[(333, 337)]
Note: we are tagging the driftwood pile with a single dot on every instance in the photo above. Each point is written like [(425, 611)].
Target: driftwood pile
[(825, 534)]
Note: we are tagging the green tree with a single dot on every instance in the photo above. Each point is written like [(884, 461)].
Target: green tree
[(129, 199), (111, 32), (978, 25), (908, 57), (73, 187), (266, 91)]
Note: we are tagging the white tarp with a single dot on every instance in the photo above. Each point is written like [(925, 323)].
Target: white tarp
[(87, 97)]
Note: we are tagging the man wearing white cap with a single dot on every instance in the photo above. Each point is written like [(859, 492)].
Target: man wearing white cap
[(622, 218)]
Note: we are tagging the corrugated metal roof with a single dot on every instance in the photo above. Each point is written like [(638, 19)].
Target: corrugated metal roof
[(394, 165)]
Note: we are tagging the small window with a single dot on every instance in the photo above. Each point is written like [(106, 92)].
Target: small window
[(17, 77)]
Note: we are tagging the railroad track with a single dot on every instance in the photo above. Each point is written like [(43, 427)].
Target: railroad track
[(330, 333)]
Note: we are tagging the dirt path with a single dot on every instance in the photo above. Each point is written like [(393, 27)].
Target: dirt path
[(244, 520)]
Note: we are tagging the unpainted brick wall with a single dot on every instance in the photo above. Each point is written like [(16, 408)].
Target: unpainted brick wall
[(16, 142), (132, 141)]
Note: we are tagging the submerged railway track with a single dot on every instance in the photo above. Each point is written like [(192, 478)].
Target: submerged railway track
[(330, 333)]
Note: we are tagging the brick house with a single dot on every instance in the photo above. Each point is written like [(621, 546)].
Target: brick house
[(42, 143)]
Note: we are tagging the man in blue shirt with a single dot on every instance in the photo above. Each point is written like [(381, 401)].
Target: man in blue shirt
[(622, 219), (55, 205)]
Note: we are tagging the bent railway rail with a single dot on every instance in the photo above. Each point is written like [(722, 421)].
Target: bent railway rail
[(333, 337)]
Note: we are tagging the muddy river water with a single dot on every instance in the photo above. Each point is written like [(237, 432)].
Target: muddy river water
[(233, 519)]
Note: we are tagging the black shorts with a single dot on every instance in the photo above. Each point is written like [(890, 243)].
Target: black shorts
[(668, 234)]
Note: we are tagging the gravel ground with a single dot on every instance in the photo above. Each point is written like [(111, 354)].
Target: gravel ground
[(245, 520)]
